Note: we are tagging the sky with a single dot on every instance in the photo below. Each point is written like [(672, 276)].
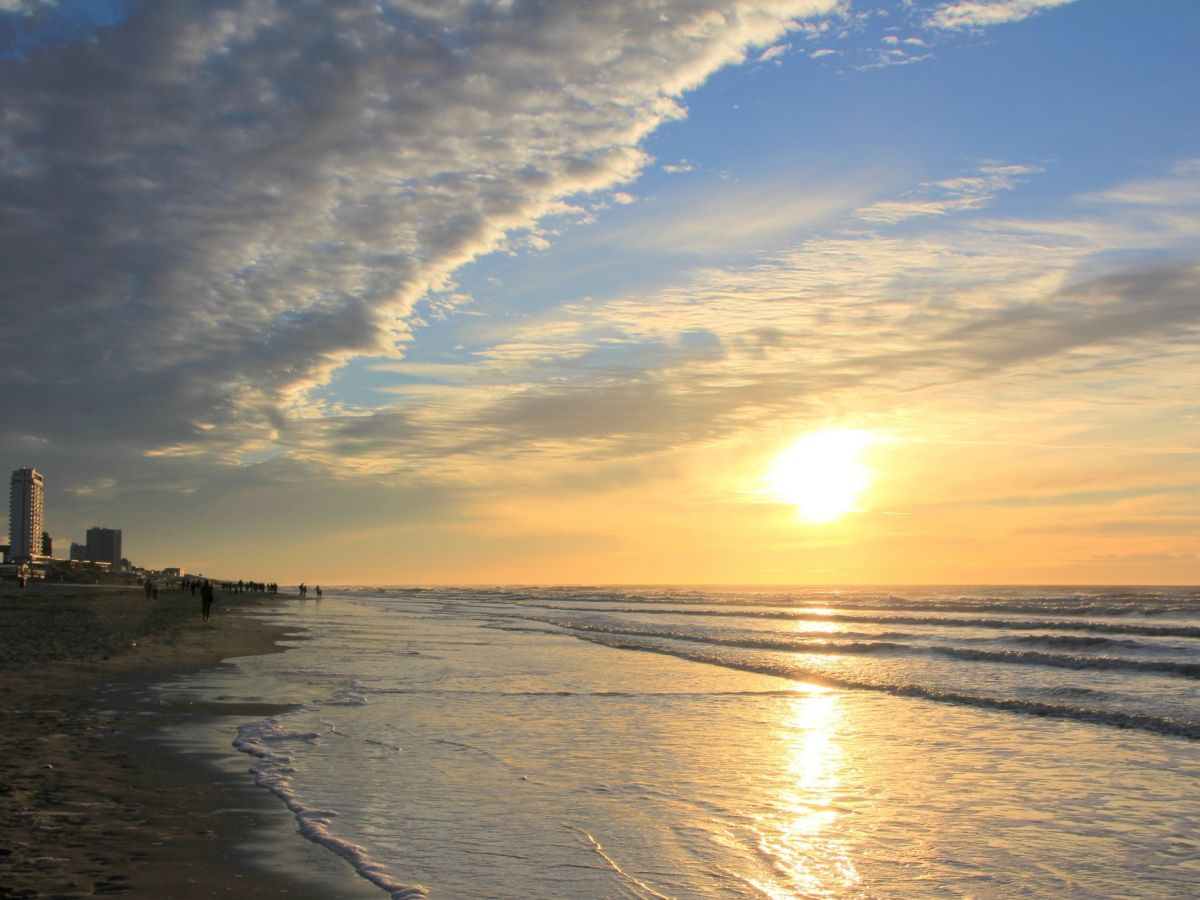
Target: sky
[(454, 291)]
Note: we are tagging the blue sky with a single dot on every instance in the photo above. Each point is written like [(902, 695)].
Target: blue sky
[(497, 291)]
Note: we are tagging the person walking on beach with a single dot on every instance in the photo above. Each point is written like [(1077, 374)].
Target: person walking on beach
[(206, 599)]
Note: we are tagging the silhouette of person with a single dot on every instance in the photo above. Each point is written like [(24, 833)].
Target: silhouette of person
[(206, 599)]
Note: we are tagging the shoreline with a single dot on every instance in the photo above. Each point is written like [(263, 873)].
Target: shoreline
[(94, 800)]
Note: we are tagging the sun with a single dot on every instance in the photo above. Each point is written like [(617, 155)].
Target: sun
[(822, 473)]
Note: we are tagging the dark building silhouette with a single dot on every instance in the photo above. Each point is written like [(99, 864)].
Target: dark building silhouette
[(47, 544), (104, 545)]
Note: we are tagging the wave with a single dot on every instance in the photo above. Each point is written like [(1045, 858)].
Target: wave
[(1111, 602), (745, 642), (273, 770), (1075, 641), (1074, 604), (946, 621), (1066, 661), (1168, 725), (788, 643)]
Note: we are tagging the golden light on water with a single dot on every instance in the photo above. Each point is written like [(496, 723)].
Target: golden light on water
[(805, 838), (822, 473)]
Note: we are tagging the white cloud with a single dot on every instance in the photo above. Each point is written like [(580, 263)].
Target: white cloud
[(949, 195), (773, 53), (984, 13), (25, 6), (1180, 188)]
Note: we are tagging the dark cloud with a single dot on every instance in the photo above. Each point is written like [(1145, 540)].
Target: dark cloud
[(205, 208), (1160, 304)]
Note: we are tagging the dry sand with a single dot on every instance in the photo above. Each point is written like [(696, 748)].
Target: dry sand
[(90, 804)]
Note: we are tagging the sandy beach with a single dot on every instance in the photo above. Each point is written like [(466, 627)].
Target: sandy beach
[(89, 803)]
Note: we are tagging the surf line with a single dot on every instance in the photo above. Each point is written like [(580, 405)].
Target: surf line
[(599, 849)]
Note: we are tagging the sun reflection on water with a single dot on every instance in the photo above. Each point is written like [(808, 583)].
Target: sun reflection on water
[(814, 627), (802, 838)]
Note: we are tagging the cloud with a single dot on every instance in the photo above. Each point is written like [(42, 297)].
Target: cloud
[(1041, 310), (949, 195), (969, 14), (736, 216), (25, 7), (1122, 308), (773, 53), (210, 208), (1181, 188), (87, 490)]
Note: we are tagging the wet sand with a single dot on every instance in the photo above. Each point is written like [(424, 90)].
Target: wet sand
[(91, 802)]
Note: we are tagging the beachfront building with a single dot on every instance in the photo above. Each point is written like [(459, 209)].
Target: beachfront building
[(78, 552), (47, 545), (25, 515), (104, 545)]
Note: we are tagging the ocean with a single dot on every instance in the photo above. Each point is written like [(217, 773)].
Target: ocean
[(580, 742)]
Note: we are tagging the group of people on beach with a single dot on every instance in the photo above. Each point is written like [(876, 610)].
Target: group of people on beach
[(206, 590)]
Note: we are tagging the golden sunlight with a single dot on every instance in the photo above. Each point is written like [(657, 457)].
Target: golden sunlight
[(822, 473)]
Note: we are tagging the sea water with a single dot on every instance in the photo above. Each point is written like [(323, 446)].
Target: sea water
[(578, 743)]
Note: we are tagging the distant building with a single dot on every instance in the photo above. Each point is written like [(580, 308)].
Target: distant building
[(25, 515), (4, 553), (78, 552), (104, 545), (172, 573), (47, 545)]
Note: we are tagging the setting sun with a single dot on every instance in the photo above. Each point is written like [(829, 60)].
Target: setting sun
[(822, 473)]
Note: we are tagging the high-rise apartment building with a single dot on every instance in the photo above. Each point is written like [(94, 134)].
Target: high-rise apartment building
[(104, 545), (25, 515)]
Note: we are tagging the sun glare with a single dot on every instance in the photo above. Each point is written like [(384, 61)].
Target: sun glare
[(822, 473)]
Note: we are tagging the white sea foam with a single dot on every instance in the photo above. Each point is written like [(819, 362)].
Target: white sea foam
[(274, 770)]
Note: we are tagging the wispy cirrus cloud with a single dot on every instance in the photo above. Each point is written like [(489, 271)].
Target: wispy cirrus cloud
[(950, 195), (985, 13), (1046, 308)]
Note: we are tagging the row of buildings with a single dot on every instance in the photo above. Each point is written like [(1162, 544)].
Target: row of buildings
[(28, 542)]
